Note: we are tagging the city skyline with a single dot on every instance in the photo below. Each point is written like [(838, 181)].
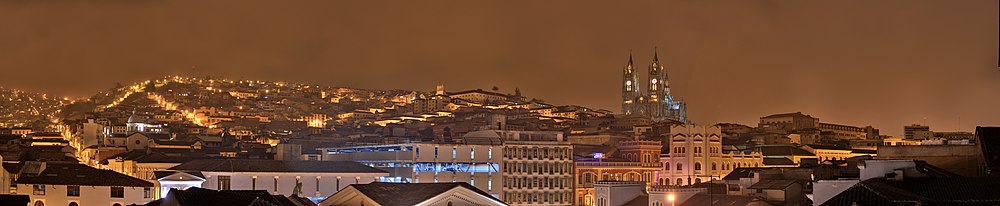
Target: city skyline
[(885, 65)]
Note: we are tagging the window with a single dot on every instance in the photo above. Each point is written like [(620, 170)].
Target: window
[(138, 142), (253, 183), (117, 192), (38, 190), (454, 153), (472, 154), (490, 153), (147, 192), (679, 166), (276, 183), (713, 166), (39, 203), (224, 182), (73, 191), (697, 166), (73, 204)]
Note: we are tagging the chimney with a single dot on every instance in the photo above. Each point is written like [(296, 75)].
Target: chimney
[(896, 175)]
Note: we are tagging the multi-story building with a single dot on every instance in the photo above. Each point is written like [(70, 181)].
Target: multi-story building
[(638, 161), (537, 167), (788, 122), (918, 132), (657, 103), (843, 132), (696, 155), (476, 164)]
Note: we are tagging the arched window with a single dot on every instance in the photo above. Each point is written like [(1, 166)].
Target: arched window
[(697, 166), (666, 165), (713, 167), (679, 166), (661, 181), (73, 204), (39, 203), (680, 181), (697, 180)]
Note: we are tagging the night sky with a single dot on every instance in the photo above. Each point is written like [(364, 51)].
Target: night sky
[(885, 63)]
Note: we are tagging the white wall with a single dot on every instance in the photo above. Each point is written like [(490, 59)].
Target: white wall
[(286, 182), (89, 195), (878, 168)]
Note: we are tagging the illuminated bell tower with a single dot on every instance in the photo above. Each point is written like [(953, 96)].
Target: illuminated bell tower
[(630, 89), (657, 88)]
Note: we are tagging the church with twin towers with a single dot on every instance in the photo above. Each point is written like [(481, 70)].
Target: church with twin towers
[(656, 103)]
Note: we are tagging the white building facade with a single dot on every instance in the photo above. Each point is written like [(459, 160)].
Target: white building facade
[(696, 155)]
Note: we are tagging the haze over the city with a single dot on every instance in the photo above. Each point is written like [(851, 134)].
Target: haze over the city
[(857, 62)]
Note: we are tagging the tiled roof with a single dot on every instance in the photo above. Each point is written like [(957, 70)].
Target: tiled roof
[(738, 173), (409, 193), (260, 165), (154, 156), (722, 200), (786, 115), (827, 147), (784, 151), (78, 174), (922, 191), (778, 161), (772, 184)]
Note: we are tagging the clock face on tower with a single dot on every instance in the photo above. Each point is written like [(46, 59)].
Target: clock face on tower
[(628, 83), (654, 81)]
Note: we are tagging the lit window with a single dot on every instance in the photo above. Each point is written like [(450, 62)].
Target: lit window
[(38, 190), (73, 191)]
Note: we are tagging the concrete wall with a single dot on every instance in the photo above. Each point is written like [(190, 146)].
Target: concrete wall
[(964, 160)]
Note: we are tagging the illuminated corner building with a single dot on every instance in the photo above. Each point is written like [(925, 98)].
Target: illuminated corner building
[(475, 163), (657, 103), (697, 155), (537, 166), (638, 162)]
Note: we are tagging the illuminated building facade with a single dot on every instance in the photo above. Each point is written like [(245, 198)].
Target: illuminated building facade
[(696, 155), (537, 167), (656, 103), (638, 162), (476, 164)]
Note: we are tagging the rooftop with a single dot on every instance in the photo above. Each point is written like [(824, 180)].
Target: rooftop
[(259, 165), (409, 193), (922, 191), (78, 174)]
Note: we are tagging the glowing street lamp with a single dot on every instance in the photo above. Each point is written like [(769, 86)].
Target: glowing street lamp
[(670, 198)]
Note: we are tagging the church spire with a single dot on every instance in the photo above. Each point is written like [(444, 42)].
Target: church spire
[(630, 87), (655, 56), (629, 58)]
